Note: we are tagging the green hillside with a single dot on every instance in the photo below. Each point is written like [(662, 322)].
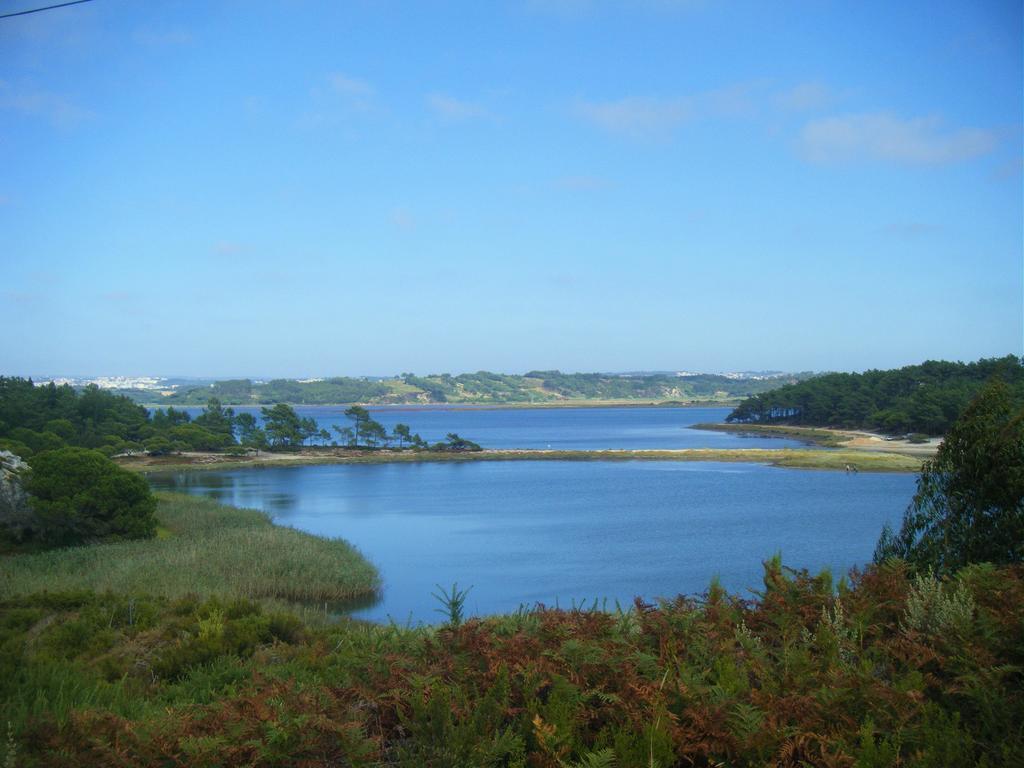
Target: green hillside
[(550, 387)]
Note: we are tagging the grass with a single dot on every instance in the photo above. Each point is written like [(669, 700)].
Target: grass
[(796, 458), (202, 548)]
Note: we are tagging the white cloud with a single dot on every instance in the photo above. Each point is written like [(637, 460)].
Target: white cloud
[(881, 136), (646, 117), (351, 86), (804, 96), (55, 107), (453, 109), (402, 219), (635, 116)]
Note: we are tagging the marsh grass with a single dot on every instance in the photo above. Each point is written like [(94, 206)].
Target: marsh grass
[(205, 549)]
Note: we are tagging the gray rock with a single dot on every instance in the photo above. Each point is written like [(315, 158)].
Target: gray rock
[(15, 513)]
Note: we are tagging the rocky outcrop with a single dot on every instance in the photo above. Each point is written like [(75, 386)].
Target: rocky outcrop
[(15, 514)]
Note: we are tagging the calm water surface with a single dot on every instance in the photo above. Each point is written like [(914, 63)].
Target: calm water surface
[(553, 531), (558, 428)]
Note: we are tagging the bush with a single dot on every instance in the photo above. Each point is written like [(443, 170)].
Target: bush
[(78, 495), (158, 446)]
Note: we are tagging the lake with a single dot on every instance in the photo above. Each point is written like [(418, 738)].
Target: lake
[(559, 531), (557, 428)]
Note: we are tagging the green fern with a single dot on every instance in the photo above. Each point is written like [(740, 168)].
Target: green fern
[(602, 758)]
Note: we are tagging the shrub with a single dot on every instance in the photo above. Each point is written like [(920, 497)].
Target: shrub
[(937, 609), (79, 495)]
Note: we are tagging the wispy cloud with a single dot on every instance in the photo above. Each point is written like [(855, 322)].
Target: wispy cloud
[(452, 109), (58, 109), (403, 219), (805, 96), (885, 137), (649, 117), (335, 99), (635, 116), (348, 85)]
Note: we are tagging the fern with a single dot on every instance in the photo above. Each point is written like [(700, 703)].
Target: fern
[(602, 758)]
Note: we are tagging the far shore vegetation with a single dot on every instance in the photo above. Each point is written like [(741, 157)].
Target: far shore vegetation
[(924, 399), (482, 387)]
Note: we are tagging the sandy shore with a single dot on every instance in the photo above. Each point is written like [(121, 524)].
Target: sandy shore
[(847, 439)]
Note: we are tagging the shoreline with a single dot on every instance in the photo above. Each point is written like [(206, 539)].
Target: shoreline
[(848, 439), (793, 458)]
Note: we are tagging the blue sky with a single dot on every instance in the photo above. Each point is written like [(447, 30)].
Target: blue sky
[(319, 188)]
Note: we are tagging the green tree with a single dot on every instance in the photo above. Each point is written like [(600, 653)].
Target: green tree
[(969, 505), (79, 495), (347, 435), (308, 429), (217, 419), (456, 443), (375, 433), (250, 435), (365, 429), (283, 426), (402, 434)]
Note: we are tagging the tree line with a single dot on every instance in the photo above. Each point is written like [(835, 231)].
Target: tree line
[(924, 398), (36, 419)]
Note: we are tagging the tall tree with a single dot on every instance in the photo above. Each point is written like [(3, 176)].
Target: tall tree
[(283, 426), (969, 505), (402, 434), (217, 419)]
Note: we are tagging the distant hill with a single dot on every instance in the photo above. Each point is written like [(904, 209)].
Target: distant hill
[(924, 398), (483, 387)]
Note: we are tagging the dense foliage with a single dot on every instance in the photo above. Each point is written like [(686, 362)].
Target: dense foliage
[(78, 495), (36, 419), (894, 670), (480, 387), (969, 505), (924, 398)]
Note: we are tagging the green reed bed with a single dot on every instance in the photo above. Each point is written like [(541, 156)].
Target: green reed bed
[(203, 548)]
